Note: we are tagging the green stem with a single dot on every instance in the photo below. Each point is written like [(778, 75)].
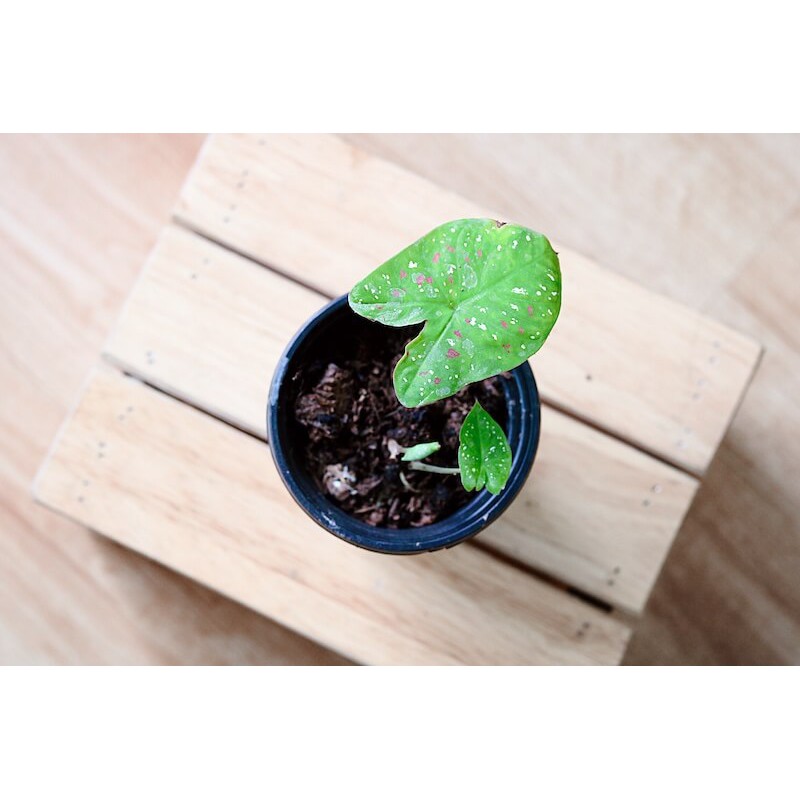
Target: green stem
[(432, 468)]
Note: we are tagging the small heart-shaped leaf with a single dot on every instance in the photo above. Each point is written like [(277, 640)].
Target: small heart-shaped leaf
[(484, 455), (420, 451), (489, 295)]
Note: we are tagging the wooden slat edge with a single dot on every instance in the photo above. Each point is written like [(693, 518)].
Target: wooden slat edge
[(161, 477)]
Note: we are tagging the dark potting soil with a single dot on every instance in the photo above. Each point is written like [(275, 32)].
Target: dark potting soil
[(354, 424)]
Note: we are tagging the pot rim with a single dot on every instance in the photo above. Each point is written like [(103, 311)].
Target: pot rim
[(524, 417)]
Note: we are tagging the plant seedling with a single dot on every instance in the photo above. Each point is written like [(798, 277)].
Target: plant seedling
[(489, 295), (484, 457)]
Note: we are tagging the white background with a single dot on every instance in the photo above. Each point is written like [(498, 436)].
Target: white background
[(411, 733)]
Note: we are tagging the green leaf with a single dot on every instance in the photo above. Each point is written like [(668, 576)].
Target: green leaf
[(420, 451), (489, 297), (484, 455)]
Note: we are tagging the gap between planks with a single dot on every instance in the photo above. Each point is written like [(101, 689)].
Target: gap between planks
[(206, 326), (546, 401), (493, 552), (666, 377), (129, 463)]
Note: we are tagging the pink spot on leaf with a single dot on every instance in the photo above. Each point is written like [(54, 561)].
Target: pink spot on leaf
[(480, 253), (458, 334), (429, 279), (452, 353), (520, 330), (450, 249), (504, 323), (403, 273), (437, 381), (507, 348), (466, 258), (420, 279), (436, 257), (530, 311)]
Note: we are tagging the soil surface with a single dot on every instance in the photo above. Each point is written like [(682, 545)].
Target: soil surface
[(355, 427)]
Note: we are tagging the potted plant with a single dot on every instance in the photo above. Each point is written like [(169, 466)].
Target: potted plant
[(416, 434)]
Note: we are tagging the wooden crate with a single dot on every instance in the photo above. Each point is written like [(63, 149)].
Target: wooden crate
[(164, 451)]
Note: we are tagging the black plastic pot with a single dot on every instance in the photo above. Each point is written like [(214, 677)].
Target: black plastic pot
[(285, 437)]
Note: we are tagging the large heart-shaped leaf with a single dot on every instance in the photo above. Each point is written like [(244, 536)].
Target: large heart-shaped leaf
[(489, 295)]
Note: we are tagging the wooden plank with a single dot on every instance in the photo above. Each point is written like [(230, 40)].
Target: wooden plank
[(161, 477), (208, 326), (636, 364)]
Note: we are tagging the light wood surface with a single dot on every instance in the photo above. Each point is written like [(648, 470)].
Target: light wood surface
[(208, 326), (78, 215), (714, 222), (193, 492), (196, 321), (636, 364)]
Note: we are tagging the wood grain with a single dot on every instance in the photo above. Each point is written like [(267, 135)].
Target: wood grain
[(638, 365), (208, 326), (686, 215), (714, 222), (133, 463), (78, 215)]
